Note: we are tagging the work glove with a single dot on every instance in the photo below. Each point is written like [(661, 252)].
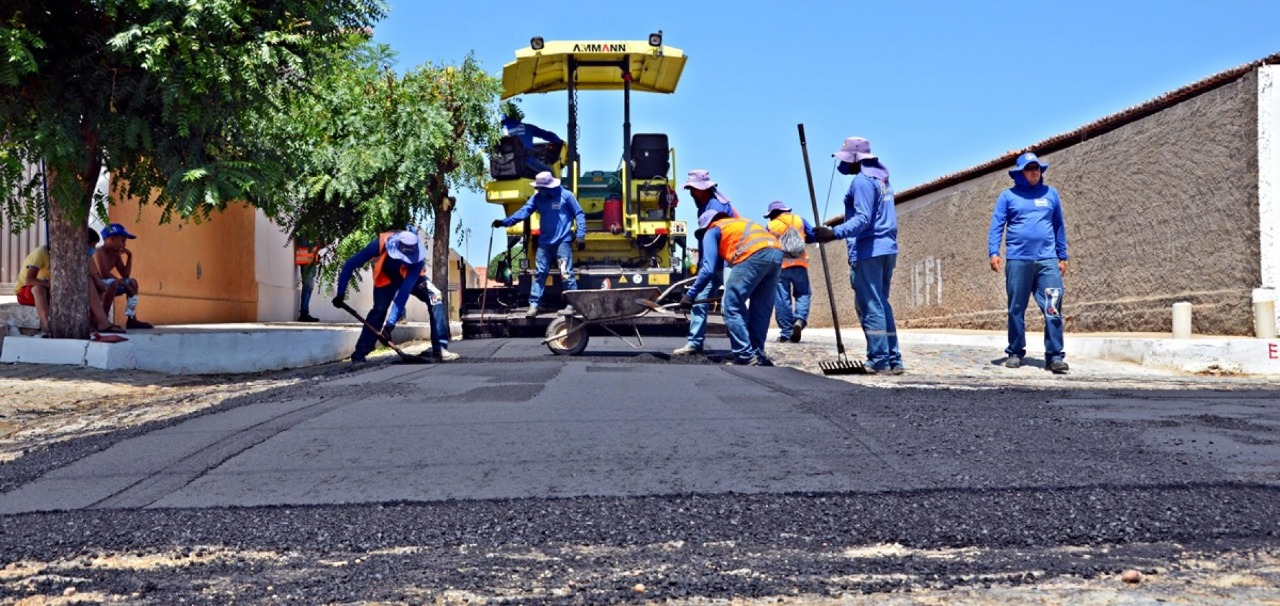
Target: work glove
[(339, 299), (497, 223), (822, 233), (686, 302), (386, 332), (582, 245)]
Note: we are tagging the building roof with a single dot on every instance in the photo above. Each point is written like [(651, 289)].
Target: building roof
[(1090, 130)]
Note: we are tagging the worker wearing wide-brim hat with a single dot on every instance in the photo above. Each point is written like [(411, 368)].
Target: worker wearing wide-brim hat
[(791, 308), (756, 258), (559, 213), (870, 229), (706, 196), (398, 258), (1028, 217)]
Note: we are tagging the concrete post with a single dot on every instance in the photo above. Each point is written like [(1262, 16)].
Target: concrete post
[(1182, 320)]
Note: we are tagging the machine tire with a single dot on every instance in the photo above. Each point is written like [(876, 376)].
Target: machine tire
[(570, 345)]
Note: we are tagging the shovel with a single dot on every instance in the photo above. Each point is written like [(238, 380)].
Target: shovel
[(842, 365), (407, 358)]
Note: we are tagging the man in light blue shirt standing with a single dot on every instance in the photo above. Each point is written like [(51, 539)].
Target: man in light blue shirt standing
[(1029, 218), (559, 212)]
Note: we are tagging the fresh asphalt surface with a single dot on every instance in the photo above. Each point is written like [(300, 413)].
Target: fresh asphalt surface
[(620, 463)]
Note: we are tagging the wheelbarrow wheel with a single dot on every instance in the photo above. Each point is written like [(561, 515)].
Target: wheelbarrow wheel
[(573, 342)]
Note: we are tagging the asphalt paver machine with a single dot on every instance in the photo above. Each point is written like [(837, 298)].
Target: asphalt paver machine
[(633, 239)]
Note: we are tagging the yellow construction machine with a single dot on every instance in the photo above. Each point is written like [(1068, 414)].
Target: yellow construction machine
[(633, 239)]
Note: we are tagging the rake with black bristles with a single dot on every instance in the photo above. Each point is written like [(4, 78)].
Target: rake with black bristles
[(842, 365)]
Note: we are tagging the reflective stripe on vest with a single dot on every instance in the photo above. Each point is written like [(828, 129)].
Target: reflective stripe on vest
[(304, 255), (741, 238), (779, 225), (380, 279)]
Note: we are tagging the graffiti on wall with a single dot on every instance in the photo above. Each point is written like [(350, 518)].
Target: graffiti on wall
[(926, 282)]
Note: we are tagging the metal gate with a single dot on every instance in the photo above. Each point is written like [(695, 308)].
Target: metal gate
[(15, 247)]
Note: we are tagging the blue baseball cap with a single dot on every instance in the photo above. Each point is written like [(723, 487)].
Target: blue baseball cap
[(116, 229)]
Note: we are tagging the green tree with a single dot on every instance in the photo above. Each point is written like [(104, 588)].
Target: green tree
[(370, 150), (160, 93)]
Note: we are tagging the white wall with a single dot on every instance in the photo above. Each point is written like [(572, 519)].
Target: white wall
[(279, 284)]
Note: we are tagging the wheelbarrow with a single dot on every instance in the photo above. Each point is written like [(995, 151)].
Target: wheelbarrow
[(569, 333)]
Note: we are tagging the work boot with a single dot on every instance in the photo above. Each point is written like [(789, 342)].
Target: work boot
[(796, 328), (687, 350), (1013, 362), (783, 339), (1059, 366), (446, 356), (136, 323), (531, 312), (897, 370), (358, 362), (307, 318)]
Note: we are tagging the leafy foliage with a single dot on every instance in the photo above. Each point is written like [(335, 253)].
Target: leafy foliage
[(160, 93)]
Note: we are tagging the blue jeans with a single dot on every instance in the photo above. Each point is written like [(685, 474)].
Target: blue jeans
[(748, 302), (871, 279), (698, 314), (793, 284), (427, 292), (382, 299), (308, 284), (1043, 279), (563, 253)]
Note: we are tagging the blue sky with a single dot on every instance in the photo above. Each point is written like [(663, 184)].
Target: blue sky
[(936, 86)]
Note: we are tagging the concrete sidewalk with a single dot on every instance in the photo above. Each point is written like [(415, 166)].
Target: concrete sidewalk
[(1199, 354), (208, 348)]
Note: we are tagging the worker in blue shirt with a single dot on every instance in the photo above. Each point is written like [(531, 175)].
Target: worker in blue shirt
[(706, 196), (1029, 218), (870, 229), (513, 125), (398, 259), (756, 258), (559, 212)]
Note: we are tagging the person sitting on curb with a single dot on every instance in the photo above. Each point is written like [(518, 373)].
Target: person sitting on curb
[(756, 258), (396, 256), (34, 288), (113, 258), (559, 212), (706, 196), (791, 309)]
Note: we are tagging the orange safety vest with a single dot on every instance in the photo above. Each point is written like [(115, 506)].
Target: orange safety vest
[(741, 238), (778, 226), (304, 255), (380, 279)]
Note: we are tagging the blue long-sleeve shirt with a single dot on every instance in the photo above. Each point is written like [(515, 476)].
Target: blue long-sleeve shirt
[(559, 210), (1030, 221), (710, 263), (871, 223), (391, 267), (526, 132)]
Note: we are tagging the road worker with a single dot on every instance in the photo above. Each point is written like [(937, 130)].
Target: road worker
[(756, 258)]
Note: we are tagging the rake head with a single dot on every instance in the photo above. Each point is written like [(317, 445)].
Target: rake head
[(843, 366)]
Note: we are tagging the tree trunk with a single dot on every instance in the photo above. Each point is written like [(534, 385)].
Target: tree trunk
[(69, 273), (440, 245)]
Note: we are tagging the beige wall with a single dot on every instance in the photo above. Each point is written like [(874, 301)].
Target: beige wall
[(1160, 210)]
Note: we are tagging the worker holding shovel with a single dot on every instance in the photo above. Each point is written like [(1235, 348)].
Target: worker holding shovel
[(398, 259), (871, 225)]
